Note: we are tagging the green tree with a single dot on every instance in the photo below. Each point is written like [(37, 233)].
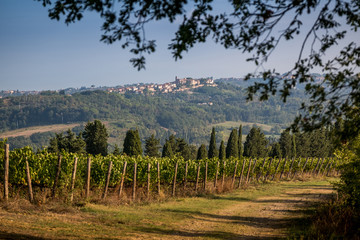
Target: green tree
[(212, 146), (294, 146), (275, 150), (69, 143), (222, 151), (152, 146), (240, 145), (167, 150), (251, 27), (132, 143), (116, 150), (285, 142), (96, 136), (183, 148), (232, 149), (255, 144), (202, 153)]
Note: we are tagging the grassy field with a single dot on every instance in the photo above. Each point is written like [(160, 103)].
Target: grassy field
[(264, 212), (26, 132)]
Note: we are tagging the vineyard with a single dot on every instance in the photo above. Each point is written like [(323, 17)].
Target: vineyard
[(78, 177)]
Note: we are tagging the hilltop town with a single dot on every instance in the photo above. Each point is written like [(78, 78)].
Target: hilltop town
[(179, 85)]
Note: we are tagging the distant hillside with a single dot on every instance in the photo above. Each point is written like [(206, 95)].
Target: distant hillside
[(187, 114)]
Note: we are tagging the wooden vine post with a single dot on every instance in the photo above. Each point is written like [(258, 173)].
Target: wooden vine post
[(186, 173), (148, 181), (28, 179), (6, 172), (206, 172), (234, 175), (283, 169), (158, 177), (268, 171), (261, 170), (122, 179), (174, 182), (303, 168), (107, 180), (322, 161), (197, 177), (276, 168), (73, 180), (252, 171), (326, 166), (88, 175), (291, 165), (242, 172), (317, 164), (134, 182), (216, 174), (57, 176), (223, 175), (248, 172)]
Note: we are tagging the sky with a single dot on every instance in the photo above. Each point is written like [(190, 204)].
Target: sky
[(37, 53)]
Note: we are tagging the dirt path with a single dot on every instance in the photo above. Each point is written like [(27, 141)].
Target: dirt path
[(263, 218), (267, 212)]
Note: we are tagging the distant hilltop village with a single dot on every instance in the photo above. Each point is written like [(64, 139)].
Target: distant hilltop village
[(179, 85)]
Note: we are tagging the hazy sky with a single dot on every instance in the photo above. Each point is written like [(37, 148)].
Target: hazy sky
[(37, 53)]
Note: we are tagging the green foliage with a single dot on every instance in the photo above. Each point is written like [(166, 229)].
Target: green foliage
[(232, 149), (285, 142), (95, 136), (132, 143), (126, 111), (116, 150), (167, 150), (255, 144), (212, 145), (240, 145), (348, 187), (69, 143), (152, 146), (222, 151), (202, 153)]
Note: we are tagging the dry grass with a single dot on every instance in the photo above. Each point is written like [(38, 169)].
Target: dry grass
[(260, 212), (26, 132)]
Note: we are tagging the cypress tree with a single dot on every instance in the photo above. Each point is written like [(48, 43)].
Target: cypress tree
[(116, 150), (96, 136), (167, 150), (255, 144), (222, 151), (183, 148), (172, 142), (152, 146), (132, 143), (201, 154), (232, 149), (275, 150), (285, 142), (212, 146), (294, 146), (240, 142)]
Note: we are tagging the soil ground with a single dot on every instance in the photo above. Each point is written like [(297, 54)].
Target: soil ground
[(269, 211)]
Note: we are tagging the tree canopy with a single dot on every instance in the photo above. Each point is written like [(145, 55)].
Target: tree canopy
[(132, 143), (257, 28), (96, 136)]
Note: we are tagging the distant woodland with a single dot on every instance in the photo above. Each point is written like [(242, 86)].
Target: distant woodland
[(189, 115)]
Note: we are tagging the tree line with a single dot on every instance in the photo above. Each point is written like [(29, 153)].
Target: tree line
[(93, 140)]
